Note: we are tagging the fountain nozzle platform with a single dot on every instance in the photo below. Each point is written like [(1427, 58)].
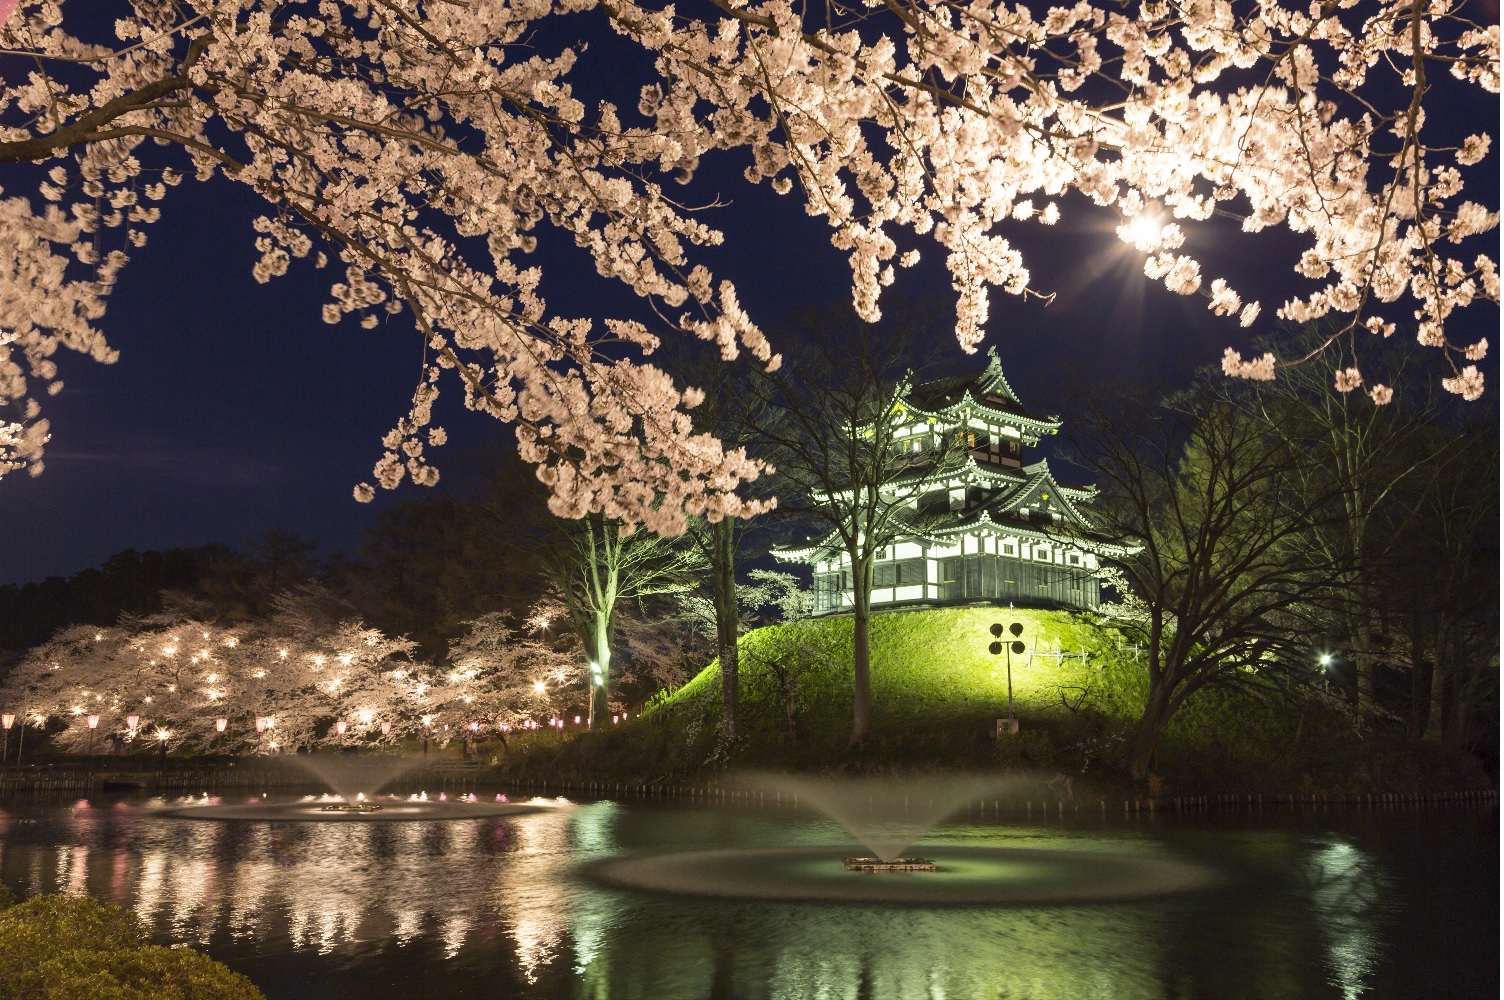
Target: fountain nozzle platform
[(351, 807), (896, 865)]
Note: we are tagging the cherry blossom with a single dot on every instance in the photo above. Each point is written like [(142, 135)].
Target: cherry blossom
[(418, 149)]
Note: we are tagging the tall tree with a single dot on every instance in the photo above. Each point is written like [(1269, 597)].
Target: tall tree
[(735, 414), (1219, 507), (1364, 461), (840, 466), (598, 565), (1442, 592), (425, 146)]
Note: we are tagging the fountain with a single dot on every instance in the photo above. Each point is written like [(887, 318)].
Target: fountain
[(356, 781), (888, 816)]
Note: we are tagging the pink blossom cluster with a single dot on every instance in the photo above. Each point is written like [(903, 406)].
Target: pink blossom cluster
[(419, 149), (279, 681)]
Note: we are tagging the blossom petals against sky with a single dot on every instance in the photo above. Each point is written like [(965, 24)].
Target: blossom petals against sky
[(533, 236)]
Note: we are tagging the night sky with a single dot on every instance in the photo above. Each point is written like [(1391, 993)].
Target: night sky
[(234, 409)]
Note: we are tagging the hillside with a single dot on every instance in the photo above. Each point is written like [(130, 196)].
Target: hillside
[(936, 692)]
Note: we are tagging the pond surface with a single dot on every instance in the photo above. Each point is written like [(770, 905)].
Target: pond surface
[(1285, 904)]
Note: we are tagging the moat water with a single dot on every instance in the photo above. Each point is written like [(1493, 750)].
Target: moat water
[(604, 899)]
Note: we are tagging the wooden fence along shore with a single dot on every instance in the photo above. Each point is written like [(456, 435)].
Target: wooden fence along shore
[(470, 777)]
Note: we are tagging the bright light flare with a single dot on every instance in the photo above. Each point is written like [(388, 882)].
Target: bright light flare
[(1143, 232)]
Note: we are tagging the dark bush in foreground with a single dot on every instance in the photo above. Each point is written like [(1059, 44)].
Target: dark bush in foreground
[(66, 947)]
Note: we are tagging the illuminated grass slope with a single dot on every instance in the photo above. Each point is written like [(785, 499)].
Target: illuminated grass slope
[(929, 667), (936, 692)]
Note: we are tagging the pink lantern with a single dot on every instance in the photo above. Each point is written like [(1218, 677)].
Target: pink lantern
[(340, 727), (386, 729), (613, 720), (474, 727), (220, 724), (132, 721), (577, 720), (7, 720), (260, 725), (93, 722)]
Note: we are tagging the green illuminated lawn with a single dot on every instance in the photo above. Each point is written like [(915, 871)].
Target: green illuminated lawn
[(936, 692)]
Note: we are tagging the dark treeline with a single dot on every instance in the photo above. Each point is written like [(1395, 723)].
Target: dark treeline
[(421, 570)]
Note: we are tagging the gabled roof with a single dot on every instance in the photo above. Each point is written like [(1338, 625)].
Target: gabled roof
[(987, 391), (1043, 490)]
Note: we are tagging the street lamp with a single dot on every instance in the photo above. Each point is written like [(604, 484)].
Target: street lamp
[(1011, 646), (1325, 659), (7, 720), (93, 721)]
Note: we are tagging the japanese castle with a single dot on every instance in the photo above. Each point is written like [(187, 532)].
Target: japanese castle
[(982, 523)]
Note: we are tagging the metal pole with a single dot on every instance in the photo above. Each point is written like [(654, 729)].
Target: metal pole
[(1010, 680)]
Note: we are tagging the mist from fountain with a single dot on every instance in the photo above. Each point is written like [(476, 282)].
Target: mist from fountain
[(355, 778), (888, 814)]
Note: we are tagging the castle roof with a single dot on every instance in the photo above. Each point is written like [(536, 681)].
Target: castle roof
[(987, 394)]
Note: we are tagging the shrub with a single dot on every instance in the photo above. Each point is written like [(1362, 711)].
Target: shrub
[(57, 947)]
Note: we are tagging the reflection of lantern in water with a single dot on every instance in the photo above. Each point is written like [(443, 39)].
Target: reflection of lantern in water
[(340, 727)]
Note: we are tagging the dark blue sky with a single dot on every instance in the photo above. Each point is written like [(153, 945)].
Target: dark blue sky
[(235, 409)]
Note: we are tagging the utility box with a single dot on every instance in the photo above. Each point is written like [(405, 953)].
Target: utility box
[(1005, 727)]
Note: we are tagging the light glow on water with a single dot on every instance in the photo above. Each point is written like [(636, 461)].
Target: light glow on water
[(517, 905)]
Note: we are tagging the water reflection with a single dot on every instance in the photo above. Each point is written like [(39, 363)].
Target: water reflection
[(497, 907), (1346, 893)]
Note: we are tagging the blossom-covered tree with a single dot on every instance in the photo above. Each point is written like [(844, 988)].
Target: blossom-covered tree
[(421, 148), (310, 674), (502, 675), (279, 683)]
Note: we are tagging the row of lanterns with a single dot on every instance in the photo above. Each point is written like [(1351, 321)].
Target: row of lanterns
[(264, 723)]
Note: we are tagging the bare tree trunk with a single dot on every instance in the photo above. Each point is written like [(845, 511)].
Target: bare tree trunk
[(1362, 639), (600, 660), (1422, 676), (1145, 739), (861, 693), (726, 622)]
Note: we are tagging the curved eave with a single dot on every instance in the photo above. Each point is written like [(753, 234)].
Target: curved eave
[(1101, 547), (999, 416)]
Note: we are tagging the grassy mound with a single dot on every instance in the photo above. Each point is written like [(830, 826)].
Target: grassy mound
[(937, 691)]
